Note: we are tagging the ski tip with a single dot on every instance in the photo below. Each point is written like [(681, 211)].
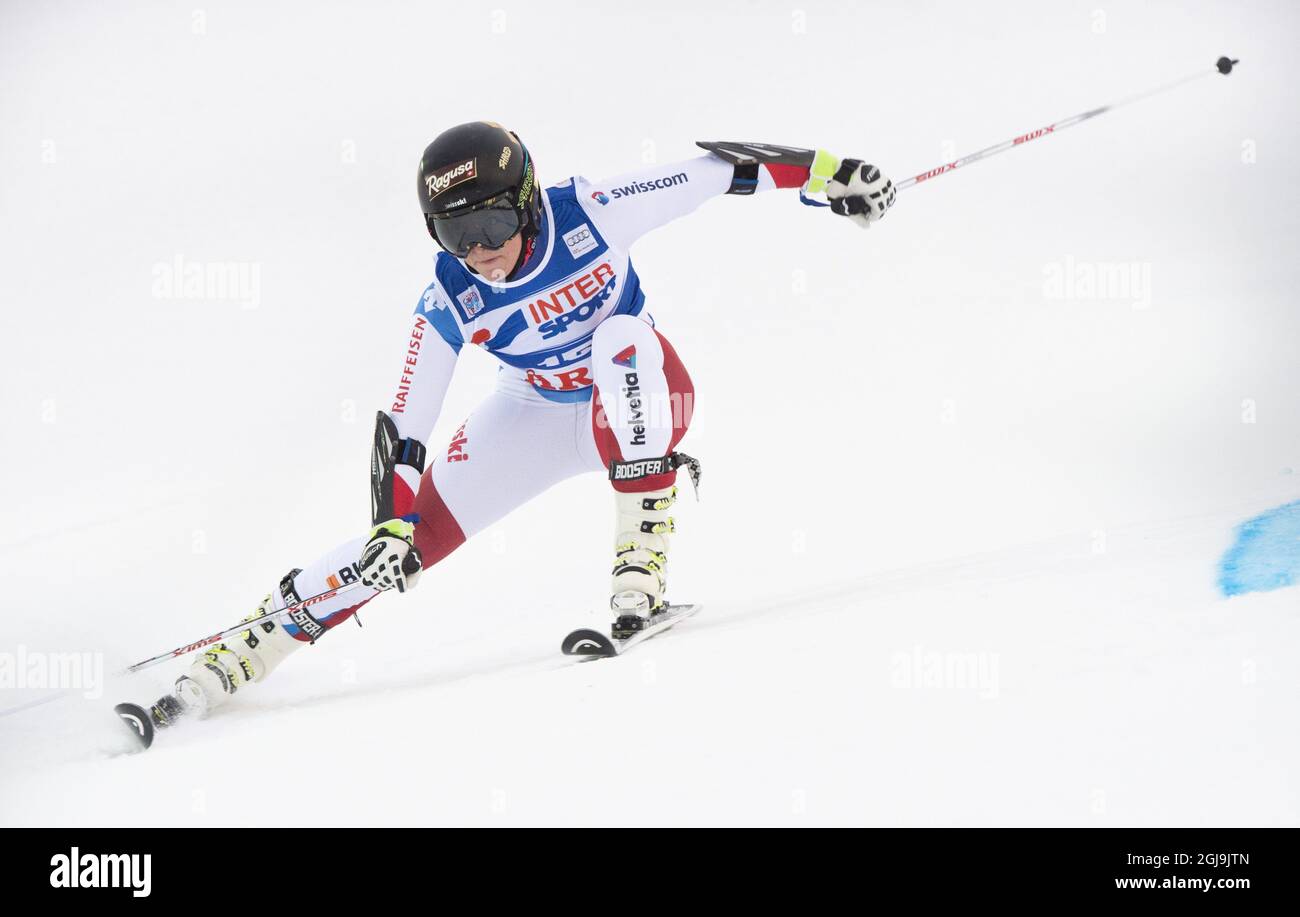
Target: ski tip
[(586, 642), (138, 721)]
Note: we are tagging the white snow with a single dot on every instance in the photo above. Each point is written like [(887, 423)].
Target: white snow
[(959, 530)]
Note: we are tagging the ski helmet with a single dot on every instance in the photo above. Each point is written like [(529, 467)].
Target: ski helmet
[(477, 187)]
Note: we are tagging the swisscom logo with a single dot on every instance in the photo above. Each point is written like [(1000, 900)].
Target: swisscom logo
[(640, 187)]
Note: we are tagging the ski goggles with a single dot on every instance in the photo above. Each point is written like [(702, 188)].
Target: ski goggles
[(490, 223)]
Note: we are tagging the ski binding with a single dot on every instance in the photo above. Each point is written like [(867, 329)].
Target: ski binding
[(594, 644)]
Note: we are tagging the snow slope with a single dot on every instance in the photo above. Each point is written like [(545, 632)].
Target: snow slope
[(989, 513)]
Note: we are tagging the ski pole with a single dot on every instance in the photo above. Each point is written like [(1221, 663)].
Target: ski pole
[(241, 626), (1222, 65)]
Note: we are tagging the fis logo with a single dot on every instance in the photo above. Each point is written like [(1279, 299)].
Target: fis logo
[(626, 357), (471, 301)]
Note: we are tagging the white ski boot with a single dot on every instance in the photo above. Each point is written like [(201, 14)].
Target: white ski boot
[(641, 549), (219, 671)]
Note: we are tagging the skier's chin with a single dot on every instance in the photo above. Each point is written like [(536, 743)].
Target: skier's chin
[(494, 269)]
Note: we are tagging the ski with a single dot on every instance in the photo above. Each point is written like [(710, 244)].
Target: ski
[(138, 721), (594, 644), (144, 722)]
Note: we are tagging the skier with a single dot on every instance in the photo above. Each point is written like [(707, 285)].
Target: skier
[(541, 279)]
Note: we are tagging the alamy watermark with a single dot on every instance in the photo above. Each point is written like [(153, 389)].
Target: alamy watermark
[(1113, 281), (922, 669), (103, 870), (82, 672), (239, 282), (630, 408)]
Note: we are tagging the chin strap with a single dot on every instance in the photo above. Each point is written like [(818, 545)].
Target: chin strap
[(525, 253)]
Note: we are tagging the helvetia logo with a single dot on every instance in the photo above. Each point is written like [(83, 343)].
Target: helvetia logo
[(626, 357), (103, 870), (635, 416)]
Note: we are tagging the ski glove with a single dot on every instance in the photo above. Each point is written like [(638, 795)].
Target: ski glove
[(390, 559), (860, 192)]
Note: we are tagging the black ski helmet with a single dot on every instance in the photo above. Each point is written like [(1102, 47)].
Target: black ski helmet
[(477, 186)]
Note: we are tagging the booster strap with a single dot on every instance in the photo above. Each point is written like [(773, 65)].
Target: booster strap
[(636, 469)]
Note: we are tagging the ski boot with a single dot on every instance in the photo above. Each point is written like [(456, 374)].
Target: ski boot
[(641, 549), (218, 672)]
